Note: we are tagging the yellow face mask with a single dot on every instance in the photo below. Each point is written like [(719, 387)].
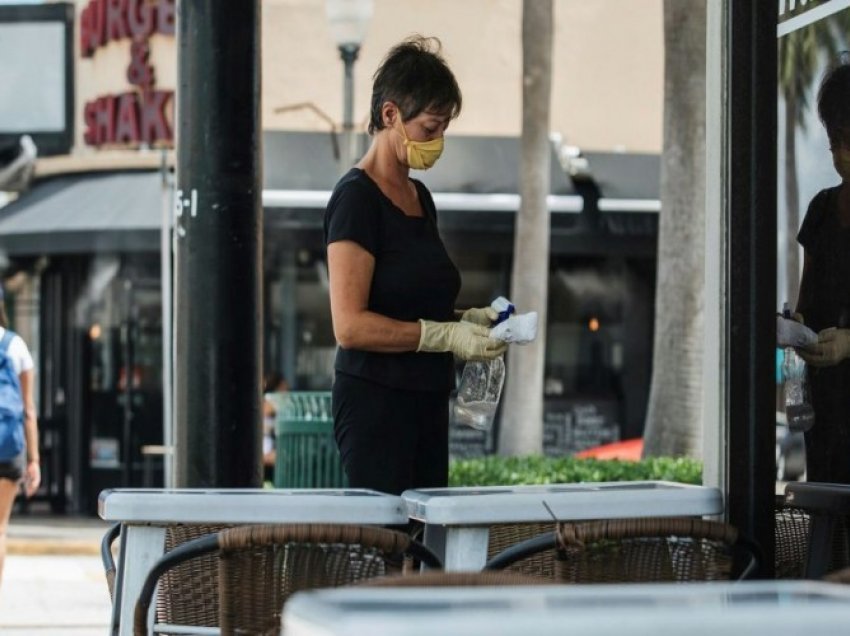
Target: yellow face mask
[(841, 161), (421, 155)]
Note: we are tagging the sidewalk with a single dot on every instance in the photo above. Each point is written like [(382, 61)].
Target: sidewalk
[(53, 580), (40, 533)]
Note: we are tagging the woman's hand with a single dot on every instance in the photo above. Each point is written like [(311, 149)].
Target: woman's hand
[(485, 316), (832, 347), (32, 478), (466, 340)]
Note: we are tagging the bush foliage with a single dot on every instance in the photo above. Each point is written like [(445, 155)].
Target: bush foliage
[(536, 469)]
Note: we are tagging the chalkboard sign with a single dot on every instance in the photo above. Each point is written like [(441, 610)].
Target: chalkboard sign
[(571, 425)]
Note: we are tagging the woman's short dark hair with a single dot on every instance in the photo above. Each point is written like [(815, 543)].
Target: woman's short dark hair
[(834, 101), (415, 77)]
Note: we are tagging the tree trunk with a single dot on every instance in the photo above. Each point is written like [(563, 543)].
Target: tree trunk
[(792, 200), (522, 414), (674, 415)]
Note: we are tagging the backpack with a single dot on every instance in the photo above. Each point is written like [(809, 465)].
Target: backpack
[(11, 405)]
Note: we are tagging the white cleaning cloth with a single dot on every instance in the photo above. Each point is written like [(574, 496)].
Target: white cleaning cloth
[(790, 333), (518, 329)]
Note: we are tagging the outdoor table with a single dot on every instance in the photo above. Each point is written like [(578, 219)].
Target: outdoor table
[(145, 514), (748, 608), (457, 519), (826, 504)]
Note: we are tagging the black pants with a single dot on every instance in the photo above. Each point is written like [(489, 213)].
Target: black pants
[(391, 440)]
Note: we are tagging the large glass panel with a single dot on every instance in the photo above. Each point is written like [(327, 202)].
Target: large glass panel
[(813, 240)]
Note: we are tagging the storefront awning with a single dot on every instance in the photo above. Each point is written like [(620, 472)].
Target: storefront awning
[(117, 211), (475, 186)]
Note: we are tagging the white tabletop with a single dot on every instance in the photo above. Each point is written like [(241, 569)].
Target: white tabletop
[(770, 608), (604, 500), (251, 505)]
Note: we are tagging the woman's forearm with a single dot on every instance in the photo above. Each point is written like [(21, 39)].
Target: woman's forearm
[(31, 436), (369, 331)]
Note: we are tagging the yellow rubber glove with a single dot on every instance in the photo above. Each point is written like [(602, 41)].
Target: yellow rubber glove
[(832, 347), (478, 315), (464, 339)]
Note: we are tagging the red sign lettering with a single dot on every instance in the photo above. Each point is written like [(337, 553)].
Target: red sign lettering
[(144, 116), (140, 18), (129, 119), (116, 19), (104, 21)]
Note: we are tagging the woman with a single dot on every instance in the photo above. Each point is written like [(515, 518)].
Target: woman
[(393, 286), (26, 465), (824, 302)]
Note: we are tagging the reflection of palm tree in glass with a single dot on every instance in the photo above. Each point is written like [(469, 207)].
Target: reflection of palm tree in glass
[(800, 54)]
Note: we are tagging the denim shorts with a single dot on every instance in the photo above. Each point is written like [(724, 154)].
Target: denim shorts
[(14, 468)]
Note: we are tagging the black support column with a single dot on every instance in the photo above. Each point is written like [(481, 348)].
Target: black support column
[(751, 190), (219, 243)]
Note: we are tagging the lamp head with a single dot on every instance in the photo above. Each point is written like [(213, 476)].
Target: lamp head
[(349, 21)]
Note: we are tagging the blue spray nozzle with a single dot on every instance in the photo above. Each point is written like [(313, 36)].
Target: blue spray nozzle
[(504, 307), (504, 315)]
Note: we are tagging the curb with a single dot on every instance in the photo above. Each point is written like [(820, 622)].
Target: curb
[(44, 547)]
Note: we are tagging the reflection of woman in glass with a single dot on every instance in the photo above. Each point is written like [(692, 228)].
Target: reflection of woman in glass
[(824, 301)]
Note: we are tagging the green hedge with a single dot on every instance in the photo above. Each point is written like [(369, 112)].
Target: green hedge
[(499, 471)]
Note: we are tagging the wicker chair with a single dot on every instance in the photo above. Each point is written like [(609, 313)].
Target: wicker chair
[(260, 566), (189, 593), (438, 578), (639, 550), (503, 536), (791, 533)]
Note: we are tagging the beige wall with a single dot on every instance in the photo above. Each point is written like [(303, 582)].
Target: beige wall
[(608, 66)]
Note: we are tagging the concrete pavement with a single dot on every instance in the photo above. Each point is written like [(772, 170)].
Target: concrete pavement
[(54, 595), (53, 580)]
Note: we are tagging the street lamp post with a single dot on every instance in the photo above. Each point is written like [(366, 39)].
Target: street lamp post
[(348, 20)]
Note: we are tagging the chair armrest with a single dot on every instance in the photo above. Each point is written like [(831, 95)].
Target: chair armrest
[(106, 556), (523, 549)]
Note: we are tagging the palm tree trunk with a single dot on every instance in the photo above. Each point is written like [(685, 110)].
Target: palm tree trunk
[(674, 415), (522, 415)]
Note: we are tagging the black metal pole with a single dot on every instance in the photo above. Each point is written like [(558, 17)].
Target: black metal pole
[(751, 188), (219, 244)]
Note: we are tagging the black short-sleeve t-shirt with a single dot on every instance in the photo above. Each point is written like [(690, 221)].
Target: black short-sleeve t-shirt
[(413, 278)]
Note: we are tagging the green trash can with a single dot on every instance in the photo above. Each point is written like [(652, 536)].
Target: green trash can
[(307, 456)]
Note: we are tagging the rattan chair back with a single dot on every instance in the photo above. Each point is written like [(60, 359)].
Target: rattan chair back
[(259, 567), (503, 536), (637, 550), (791, 532), (645, 550), (188, 593), (440, 578)]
